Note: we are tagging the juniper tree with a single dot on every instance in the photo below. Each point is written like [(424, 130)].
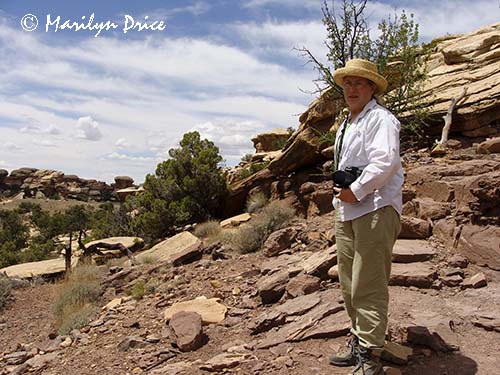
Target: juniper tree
[(395, 51)]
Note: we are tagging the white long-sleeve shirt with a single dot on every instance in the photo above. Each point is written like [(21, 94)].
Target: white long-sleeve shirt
[(371, 143)]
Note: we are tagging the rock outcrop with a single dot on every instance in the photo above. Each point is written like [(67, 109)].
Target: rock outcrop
[(45, 183)]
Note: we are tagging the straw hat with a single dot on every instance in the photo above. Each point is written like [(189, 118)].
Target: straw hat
[(361, 68)]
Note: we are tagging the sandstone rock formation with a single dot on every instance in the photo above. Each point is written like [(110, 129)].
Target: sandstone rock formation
[(270, 141), (45, 183)]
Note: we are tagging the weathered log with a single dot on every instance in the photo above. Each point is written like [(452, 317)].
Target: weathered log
[(95, 249)]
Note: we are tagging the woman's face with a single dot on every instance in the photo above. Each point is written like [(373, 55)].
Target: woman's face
[(358, 92)]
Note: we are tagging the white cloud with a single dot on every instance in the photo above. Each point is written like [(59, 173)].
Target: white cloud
[(309, 4), (232, 137), (10, 146), (30, 129), (121, 156), (53, 130), (88, 129), (272, 37), (44, 143), (121, 144)]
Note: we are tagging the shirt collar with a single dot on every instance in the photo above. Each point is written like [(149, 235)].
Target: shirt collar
[(369, 106)]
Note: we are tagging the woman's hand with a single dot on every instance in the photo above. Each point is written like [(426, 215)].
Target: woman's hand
[(344, 194)]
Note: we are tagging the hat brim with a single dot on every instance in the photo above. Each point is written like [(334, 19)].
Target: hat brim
[(380, 82)]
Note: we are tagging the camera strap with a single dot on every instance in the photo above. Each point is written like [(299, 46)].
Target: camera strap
[(345, 126)]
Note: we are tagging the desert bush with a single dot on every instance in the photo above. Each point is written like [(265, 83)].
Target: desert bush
[(210, 228), (255, 202), (5, 288), (76, 318), (251, 236), (138, 289), (148, 259), (77, 298)]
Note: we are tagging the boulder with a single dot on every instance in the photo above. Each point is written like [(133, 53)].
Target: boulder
[(210, 310), (122, 182), (414, 228), (301, 285), (177, 249), (187, 331), (279, 241), (481, 245), (489, 146), (270, 141)]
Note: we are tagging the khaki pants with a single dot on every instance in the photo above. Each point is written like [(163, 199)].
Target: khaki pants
[(364, 251)]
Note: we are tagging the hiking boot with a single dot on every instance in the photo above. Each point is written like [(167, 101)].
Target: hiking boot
[(368, 363), (348, 356)]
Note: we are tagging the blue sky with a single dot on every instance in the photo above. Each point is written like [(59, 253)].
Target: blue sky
[(115, 104)]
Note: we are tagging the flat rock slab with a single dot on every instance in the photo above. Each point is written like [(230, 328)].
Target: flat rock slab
[(49, 267), (307, 326), (408, 251), (488, 323), (210, 310), (235, 220), (420, 275), (225, 361), (320, 262), (176, 249)]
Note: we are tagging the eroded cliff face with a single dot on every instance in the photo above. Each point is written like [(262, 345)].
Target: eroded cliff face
[(454, 196)]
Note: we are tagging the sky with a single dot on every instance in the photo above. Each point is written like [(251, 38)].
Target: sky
[(100, 104)]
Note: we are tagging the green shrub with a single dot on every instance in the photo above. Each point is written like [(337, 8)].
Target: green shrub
[(251, 236), (138, 290), (189, 187), (77, 298)]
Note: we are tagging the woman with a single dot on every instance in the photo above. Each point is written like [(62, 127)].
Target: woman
[(367, 212)]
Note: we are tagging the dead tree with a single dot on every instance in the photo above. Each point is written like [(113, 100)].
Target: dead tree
[(441, 144), (95, 249)]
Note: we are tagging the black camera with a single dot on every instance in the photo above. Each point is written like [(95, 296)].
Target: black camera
[(343, 179)]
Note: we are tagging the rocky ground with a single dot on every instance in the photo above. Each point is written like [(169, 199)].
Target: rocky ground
[(443, 321)]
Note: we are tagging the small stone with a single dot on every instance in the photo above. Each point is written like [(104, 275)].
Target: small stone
[(66, 343), (396, 353), (333, 273), (131, 342), (458, 261), (476, 281), (153, 339), (392, 371)]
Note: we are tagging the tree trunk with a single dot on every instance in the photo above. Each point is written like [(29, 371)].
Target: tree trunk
[(67, 255)]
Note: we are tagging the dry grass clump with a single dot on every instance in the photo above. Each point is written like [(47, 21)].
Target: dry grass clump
[(5, 288), (250, 237), (76, 301), (210, 228), (255, 202)]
